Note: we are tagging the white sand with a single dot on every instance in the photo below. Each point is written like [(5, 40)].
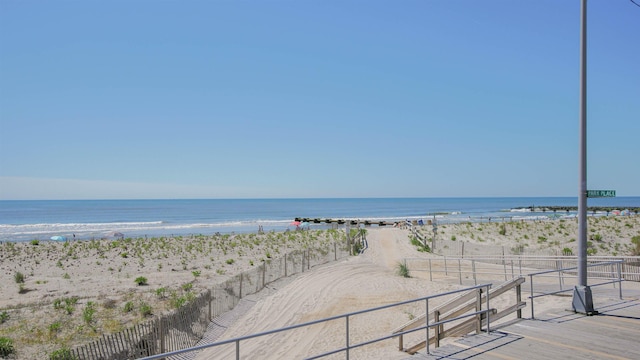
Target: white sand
[(358, 283), (98, 273)]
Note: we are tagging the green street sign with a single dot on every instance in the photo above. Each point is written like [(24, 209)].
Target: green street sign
[(601, 193)]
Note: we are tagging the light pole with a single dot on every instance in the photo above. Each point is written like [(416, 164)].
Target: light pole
[(582, 299)]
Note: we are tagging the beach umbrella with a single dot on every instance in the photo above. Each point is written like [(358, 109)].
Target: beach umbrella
[(304, 224), (58, 238), (295, 223)]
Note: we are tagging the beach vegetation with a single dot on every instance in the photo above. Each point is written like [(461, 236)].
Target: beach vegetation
[(161, 292), (231, 261), (635, 251), (35, 242), (54, 328), (141, 280), (453, 238), (403, 270), (69, 309), (187, 286), (502, 230), (4, 316), (57, 304), (196, 273), (6, 347), (597, 237), (418, 244), (88, 312), (145, 309), (62, 354), (66, 276), (176, 301), (567, 251), (18, 277), (128, 307)]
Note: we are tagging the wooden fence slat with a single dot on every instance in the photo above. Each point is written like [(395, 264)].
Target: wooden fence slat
[(187, 325)]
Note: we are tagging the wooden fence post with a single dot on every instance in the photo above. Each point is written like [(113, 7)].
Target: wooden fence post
[(210, 300), (161, 334)]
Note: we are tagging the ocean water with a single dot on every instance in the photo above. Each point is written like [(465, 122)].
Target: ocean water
[(85, 219)]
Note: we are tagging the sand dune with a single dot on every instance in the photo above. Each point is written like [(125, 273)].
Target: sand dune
[(357, 283)]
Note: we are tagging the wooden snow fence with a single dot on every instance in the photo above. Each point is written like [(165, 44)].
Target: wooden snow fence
[(178, 330), (187, 325)]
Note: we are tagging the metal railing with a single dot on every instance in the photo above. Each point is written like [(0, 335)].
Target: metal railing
[(619, 279), (493, 268), (481, 315)]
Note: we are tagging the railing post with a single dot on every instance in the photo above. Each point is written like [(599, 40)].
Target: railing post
[(478, 309), (559, 266), (513, 275), (430, 273), (488, 312), (427, 319), (347, 324), (520, 265), (237, 349), (460, 271), (446, 272), (620, 279), (504, 265), (473, 265), (436, 318), (518, 300), (531, 295)]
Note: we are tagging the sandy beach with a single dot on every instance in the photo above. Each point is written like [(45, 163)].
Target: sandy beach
[(61, 280)]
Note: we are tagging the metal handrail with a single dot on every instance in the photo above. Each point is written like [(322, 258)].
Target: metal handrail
[(619, 280), (346, 317)]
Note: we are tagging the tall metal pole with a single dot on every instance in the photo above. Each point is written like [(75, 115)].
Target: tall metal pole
[(582, 299)]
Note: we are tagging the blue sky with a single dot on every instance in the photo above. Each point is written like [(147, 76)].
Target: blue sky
[(263, 99)]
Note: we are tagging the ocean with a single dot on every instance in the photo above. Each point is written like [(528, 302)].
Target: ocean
[(86, 219)]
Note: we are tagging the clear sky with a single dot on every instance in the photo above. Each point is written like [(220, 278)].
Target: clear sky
[(264, 99)]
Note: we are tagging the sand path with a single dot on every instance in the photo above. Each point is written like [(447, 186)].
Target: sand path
[(356, 283)]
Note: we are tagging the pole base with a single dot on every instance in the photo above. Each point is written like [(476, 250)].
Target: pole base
[(583, 301)]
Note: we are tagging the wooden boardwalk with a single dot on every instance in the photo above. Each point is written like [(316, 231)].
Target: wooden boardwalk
[(612, 334)]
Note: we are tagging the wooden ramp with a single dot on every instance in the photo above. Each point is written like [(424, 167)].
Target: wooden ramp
[(612, 334)]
